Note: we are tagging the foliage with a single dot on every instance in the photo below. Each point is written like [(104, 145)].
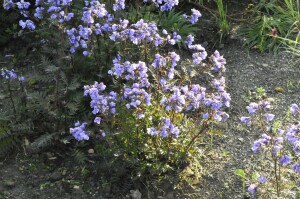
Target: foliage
[(172, 21), (222, 20), (274, 18)]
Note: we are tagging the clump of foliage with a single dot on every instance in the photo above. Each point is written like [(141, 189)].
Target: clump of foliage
[(272, 19), (150, 109)]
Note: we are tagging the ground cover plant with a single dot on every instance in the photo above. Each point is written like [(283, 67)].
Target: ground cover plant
[(111, 76)]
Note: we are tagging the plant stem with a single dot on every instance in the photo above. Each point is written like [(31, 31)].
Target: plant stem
[(145, 52), (11, 99), (204, 127), (277, 177)]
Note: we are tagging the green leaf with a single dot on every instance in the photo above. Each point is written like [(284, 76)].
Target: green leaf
[(255, 176), (297, 195), (240, 172), (215, 132)]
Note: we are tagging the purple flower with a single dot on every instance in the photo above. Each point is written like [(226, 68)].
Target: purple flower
[(85, 53), (252, 189), (176, 37), (297, 147), (39, 12), (22, 78), (284, 160), (152, 131), (78, 132), (276, 149), (256, 146), (119, 5), (205, 115), (189, 40), (262, 179), (252, 107), (97, 120), (280, 132), (23, 5), (169, 4), (296, 168), (28, 23), (174, 58), (195, 15), (265, 104), (218, 61), (198, 57), (141, 115), (246, 120), (290, 135), (294, 108), (8, 4), (9, 74), (269, 117)]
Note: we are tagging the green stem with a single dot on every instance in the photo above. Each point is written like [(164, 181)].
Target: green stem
[(11, 99), (277, 177), (204, 127), (146, 52)]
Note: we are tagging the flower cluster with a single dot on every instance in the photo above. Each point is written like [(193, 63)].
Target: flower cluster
[(253, 187), (275, 142), (137, 91), (166, 130), (119, 5), (195, 16), (254, 108), (78, 38), (10, 74), (200, 53), (102, 104), (218, 61), (28, 23), (97, 20), (79, 131), (165, 5)]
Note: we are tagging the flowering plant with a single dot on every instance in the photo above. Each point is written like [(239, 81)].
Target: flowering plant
[(149, 107), (278, 146)]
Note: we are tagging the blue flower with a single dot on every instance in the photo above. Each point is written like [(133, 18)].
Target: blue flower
[(97, 120), (23, 5), (269, 117), (28, 23), (294, 108), (253, 107), (284, 160), (252, 189), (195, 15), (78, 132), (262, 179), (246, 120), (296, 168), (189, 40), (297, 147)]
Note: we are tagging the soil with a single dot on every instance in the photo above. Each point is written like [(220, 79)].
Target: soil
[(51, 175)]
